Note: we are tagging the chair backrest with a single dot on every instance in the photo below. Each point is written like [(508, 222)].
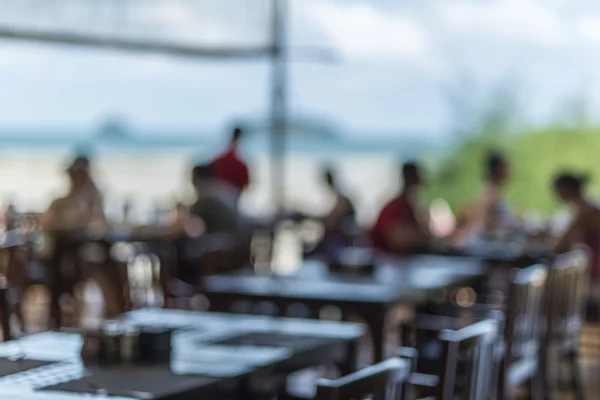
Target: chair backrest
[(13, 269), (411, 356), (566, 293), (379, 381), (472, 348), (524, 317)]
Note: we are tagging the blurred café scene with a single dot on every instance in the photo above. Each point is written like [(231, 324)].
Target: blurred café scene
[(299, 199)]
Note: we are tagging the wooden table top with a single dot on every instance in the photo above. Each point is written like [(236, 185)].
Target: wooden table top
[(393, 280), (208, 350)]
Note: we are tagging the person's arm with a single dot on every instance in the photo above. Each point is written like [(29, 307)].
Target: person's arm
[(565, 242), (486, 212), (97, 214), (336, 215), (47, 220), (482, 216), (402, 238), (424, 224), (245, 178), (405, 233)]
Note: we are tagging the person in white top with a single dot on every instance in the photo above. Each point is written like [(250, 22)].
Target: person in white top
[(491, 213)]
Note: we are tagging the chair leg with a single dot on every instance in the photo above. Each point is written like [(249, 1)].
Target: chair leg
[(550, 386), (536, 387), (576, 381), (5, 312), (548, 377)]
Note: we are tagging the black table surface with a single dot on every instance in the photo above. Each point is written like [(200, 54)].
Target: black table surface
[(112, 235), (25, 394), (209, 349), (392, 280), (507, 253)]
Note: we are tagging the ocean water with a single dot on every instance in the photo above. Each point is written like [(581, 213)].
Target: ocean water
[(155, 171)]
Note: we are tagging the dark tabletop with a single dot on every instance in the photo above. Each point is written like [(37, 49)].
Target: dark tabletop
[(113, 235), (24, 394), (209, 349), (393, 280), (507, 253)]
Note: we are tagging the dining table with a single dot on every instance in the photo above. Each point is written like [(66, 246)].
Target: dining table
[(511, 254), (212, 354), (76, 250), (392, 282)]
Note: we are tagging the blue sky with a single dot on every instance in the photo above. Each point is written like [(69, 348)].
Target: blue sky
[(399, 63)]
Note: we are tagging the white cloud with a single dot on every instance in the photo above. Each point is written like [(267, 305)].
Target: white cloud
[(360, 30), (186, 21), (537, 22), (589, 27)]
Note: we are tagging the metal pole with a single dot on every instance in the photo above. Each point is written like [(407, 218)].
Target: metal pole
[(278, 102)]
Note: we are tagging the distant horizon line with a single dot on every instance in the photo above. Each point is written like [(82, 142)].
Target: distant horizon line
[(56, 134)]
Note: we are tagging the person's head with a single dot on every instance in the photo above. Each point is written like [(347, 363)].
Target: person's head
[(496, 168), (236, 136), (202, 174), (411, 175), (569, 187), (79, 172)]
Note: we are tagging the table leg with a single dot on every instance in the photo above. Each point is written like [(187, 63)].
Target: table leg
[(165, 277), (350, 362), (376, 323), (56, 290)]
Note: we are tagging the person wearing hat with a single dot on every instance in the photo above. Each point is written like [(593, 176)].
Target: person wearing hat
[(83, 204), (82, 208)]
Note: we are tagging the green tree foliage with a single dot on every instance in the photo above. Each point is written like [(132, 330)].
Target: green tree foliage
[(535, 154)]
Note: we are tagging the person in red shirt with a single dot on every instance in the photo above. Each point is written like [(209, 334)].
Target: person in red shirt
[(399, 228), (229, 166)]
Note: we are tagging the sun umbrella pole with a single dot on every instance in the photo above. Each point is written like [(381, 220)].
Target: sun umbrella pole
[(278, 102)]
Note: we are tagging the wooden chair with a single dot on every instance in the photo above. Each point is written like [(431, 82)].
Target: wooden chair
[(520, 362), (379, 381), (517, 361), (476, 343), (411, 356), (565, 304), (204, 256), (466, 364), (13, 266)]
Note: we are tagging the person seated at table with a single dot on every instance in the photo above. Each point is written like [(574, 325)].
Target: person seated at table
[(223, 242), (343, 210), (339, 223), (491, 213), (82, 205), (82, 208), (213, 204), (401, 227), (230, 167), (584, 228)]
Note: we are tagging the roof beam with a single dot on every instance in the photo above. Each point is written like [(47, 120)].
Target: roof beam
[(141, 46)]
